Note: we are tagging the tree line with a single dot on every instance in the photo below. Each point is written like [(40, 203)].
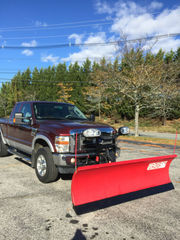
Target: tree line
[(137, 84)]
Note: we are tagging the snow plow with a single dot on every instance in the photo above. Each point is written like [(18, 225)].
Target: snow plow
[(92, 185)]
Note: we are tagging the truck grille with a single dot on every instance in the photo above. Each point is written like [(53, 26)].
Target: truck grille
[(93, 144)]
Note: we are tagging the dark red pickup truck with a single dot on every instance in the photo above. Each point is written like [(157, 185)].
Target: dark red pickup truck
[(54, 136)]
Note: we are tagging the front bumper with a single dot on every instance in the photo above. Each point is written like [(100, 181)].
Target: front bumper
[(63, 161)]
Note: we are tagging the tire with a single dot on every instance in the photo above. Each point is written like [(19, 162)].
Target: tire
[(3, 148), (45, 169)]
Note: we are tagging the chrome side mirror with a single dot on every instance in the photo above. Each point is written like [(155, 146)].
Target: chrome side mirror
[(19, 119), (123, 131)]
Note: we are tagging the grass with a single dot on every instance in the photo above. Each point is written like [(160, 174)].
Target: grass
[(146, 125), (151, 140)]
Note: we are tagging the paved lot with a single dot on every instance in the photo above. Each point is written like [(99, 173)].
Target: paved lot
[(32, 210)]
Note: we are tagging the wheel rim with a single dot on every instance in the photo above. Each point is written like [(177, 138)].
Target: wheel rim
[(41, 165)]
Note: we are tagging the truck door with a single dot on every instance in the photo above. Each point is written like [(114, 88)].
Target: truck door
[(12, 128), (24, 130), (19, 135)]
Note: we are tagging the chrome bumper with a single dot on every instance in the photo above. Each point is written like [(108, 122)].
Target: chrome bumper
[(63, 161)]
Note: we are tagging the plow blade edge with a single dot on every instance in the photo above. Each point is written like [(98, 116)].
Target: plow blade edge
[(97, 182)]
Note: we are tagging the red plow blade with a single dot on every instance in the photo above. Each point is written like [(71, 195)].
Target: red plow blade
[(97, 182)]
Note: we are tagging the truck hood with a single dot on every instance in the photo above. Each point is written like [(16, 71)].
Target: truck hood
[(65, 126)]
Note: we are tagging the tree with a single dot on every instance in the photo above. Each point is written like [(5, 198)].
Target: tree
[(98, 93), (34, 86), (4, 99), (136, 81), (64, 92), (76, 83), (168, 90)]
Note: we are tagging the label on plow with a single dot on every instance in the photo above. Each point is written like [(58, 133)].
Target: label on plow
[(157, 165)]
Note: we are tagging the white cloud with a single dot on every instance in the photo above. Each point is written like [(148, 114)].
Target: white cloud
[(166, 45), (40, 24), (155, 5), (50, 58), (27, 52), (33, 43), (133, 21), (3, 44), (118, 8), (142, 24), (104, 7), (78, 38), (136, 21), (94, 52)]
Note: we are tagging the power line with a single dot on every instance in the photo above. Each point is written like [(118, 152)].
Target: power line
[(48, 83), (62, 45), (56, 24), (37, 59), (44, 81), (45, 26), (57, 27), (8, 72), (39, 37), (50, 36)]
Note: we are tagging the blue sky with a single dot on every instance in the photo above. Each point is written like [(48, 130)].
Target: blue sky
[(48, 22)]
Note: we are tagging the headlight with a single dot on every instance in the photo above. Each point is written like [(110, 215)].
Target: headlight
[(62, 144), (92, 132)]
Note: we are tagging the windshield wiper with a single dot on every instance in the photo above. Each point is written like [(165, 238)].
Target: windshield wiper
[(75, 118), (50, 118)]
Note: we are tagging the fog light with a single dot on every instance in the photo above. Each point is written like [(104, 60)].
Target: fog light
[(72, 160)]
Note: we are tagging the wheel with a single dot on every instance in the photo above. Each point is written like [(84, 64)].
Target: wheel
[(45, 169), (3, 148)]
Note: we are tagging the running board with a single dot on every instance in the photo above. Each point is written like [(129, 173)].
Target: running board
[(19, 154)]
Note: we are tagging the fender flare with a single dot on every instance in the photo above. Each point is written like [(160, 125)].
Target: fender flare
[(46, 139), (2, 137)]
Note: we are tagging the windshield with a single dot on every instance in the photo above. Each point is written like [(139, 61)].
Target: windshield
[(59, 111)]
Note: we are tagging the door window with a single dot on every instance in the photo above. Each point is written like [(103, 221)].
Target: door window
[(26, 111)]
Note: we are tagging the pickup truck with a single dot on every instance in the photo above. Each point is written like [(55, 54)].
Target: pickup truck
[(56, 138)]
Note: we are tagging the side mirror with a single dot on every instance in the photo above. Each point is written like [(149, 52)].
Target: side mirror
[(19, 119), (123, 131), (92, 118)]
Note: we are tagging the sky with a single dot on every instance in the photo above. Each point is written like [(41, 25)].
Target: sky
[(31, 30)]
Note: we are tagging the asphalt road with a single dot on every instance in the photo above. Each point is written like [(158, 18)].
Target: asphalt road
[(32, 210)]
